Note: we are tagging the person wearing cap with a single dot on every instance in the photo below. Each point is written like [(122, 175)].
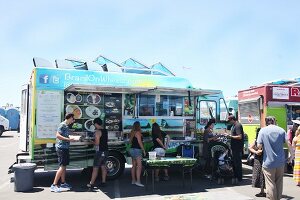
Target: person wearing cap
[(237, 145), (271, 140)]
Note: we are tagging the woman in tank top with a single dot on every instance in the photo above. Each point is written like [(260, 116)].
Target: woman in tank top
[(136, 152)]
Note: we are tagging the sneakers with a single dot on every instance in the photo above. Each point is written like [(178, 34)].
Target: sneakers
[(261, 194), (133, 182), (139, 184), (54, 188), (65, 185), (90, 187)]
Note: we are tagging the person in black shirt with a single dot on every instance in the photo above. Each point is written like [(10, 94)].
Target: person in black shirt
[(160, 146), (237, 144), (136, 151), (101, 154)]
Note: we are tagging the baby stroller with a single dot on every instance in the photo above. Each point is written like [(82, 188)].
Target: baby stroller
[(222, 166)]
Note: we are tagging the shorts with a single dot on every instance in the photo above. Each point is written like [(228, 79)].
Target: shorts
[(135, 153), (160, 152), (100, 158), (63, 156)]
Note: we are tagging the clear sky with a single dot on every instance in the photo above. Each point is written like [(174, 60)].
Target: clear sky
[(228, 45)]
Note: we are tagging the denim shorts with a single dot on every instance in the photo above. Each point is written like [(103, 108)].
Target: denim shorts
[(63, 156), (135, 153), (100, 158)]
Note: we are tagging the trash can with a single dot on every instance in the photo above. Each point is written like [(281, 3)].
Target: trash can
[(24, 174)]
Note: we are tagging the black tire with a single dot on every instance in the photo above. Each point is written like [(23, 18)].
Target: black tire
[(115, 165), (1, 130)]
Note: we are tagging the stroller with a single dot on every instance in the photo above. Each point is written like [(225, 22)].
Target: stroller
[(222, 166)]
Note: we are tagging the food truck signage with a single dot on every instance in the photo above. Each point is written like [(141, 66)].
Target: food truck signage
[(280, 93), (58, 79), (295, 92)]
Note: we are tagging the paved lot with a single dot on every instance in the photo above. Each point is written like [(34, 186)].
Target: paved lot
[(122, 188)]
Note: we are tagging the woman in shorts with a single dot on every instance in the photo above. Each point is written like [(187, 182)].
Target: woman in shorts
[(136, 152)]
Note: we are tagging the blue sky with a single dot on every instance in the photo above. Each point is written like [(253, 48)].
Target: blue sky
[(227, 45)]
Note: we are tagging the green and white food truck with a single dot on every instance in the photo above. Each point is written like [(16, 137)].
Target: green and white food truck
[(141, 94)]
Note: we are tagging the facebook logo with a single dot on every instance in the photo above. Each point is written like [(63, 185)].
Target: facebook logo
[(44, 79)]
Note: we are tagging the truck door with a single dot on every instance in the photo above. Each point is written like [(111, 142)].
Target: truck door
[(24, 132)]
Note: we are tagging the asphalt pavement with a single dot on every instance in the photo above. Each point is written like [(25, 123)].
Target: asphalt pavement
[(202, 188)]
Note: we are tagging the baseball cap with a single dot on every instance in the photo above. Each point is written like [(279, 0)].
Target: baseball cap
[(296, 121)]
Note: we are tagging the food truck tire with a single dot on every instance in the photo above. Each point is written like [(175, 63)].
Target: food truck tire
[(115, 165)]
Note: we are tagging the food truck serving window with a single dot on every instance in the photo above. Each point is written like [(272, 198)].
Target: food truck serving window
[(165, 105), (293, 111), (162, 107), (249, 112), (147, 105), (208, 110)]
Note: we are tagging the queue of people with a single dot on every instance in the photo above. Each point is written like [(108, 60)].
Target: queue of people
[(268, 166)]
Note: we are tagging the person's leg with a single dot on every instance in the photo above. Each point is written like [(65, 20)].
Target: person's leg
[(58, 174), (279, 181), (138, 169), (235, 163), (133, 171), (63, 175), (270, 183), (239, 167), (94, 175), (65, 162), (104, 173)]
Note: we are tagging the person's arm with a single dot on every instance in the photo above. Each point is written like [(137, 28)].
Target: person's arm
[(98, 134), (160, 143), (254, 149), (294, 142), (259, 142), (289, 135), (213, 138), (60, 137), (139, 139), (290, 149), (168, 138)]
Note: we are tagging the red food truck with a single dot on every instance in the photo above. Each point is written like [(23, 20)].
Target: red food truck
[(280, 100)]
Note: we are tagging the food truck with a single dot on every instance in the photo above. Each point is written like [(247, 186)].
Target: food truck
[(279, 99), (119, 99)]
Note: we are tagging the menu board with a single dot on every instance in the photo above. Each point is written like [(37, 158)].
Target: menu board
[(113, 112), (48, 114), (85, 107)]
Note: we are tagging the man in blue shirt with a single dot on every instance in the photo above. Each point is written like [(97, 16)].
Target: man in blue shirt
[(62, 149), (271, 140)]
